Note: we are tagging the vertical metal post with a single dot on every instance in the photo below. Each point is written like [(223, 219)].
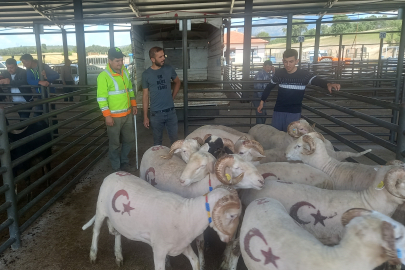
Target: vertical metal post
[(111, 31), (44, 94), (81, 48), (8, 180), (300, 55), (379, 71), (185, 77), (340, 58), (65, 45), (228, 42), (362, 52), (317, 39), (400, 134), (289, 31), (247, 46)]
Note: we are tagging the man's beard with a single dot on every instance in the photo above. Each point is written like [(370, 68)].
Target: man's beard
[(159, 64)]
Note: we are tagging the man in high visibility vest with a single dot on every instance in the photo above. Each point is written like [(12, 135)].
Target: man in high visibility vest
[(116, 99)]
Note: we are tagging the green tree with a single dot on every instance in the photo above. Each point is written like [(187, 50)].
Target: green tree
[(339, 28), (297, 29), (263, 34), (393, 37), (310, 32)]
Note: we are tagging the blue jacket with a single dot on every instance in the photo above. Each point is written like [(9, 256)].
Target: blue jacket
[(33, 76)]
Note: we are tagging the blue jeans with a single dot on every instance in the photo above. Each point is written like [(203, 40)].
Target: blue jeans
[(256, 103), (281, 120), (160, 120)]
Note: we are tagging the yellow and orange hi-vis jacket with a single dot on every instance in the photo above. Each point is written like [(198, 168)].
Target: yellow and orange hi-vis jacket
[(115, 95)]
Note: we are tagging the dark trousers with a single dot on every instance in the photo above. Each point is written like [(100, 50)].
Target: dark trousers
[(68, 90), (281, 120), (24, 115), (256, 103), (160, 120)]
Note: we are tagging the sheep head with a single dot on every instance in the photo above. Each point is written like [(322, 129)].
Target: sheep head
[(199, 165), (306, 146), (226, 213), (233, 170), (298, 128), (219, 147), (185, 147), (249, 150), (394, 181), (375, 228)]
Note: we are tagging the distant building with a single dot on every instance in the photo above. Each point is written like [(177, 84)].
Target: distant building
[(258, 48)]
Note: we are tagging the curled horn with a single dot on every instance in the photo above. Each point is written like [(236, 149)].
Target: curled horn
[(243, 138), (220, 166), (199, 140), (228, 143), (310, 141), (254, 144), (390, 181), (206, 137), (388, 235), (318, 135), (227, 202), (292, 129), (352, 213), (394, 162), (18, 131), (176, 145)]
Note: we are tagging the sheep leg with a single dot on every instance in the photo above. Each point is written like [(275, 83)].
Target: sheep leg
[(159, 259), (200, 249), (192, 257), (342, 155), (117, 248), (231, 255), (96, 232)]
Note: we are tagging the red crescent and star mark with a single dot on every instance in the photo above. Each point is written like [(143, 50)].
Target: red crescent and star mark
[(319, 218), (262, 201), (156, 148), (150, 179), (269, 257), (123, 173), (127, 207), (265, 175)]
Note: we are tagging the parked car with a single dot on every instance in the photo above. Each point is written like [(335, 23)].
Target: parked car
[(92, 73), (2, 66)]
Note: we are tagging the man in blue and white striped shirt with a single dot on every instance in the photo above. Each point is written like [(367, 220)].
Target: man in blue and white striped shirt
[(291, 83), (263, 75)]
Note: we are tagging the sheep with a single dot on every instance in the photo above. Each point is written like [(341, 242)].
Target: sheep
[(311, 150), (275, 142), (271, 239), (220, 131), (166, 221), (219, 147), (202, 170), (319, 210), (185, 148)]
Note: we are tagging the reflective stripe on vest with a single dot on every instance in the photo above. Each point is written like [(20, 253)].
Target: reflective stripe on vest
[(112, 78), (105, 108), (101, 99), (116, 92), (120, 111)]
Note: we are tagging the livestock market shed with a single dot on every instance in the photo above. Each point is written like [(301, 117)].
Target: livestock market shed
[(48, 192)]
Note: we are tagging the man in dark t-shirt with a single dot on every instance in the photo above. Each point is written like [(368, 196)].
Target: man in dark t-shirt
[(291, 83), (156, 80)]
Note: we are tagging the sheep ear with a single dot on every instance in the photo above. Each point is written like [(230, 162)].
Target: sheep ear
[(352, 213), (178, 150), (255, 153), (388, 244), (205, 147)]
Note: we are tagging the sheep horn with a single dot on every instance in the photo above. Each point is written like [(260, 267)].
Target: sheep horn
[(310, 141), (292, 129), (390, 181), (394, 162), (18, 131), (319, 136), (206, 137), (243, 138), (254, 144), (199, 140), (352, 213), (176, 145), (228, 143), (227, 202), (388, 235), (220, 166)]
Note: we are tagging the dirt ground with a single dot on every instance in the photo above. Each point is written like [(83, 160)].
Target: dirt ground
[(56, 241)]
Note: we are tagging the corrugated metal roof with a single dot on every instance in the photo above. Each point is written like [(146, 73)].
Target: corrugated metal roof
[(19, 12)]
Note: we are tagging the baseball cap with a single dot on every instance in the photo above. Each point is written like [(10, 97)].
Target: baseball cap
[(115, 52)]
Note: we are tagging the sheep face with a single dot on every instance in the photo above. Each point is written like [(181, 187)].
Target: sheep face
[(185, 148), (249, 150), (298, 128), (372, 228), (251, 176), (303, 147), (226, 213)]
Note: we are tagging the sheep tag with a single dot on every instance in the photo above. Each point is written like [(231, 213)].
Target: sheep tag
[(399, 253), (228, 177), (380, 186)]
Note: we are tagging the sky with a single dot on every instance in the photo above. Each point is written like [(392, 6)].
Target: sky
[(123, 38)]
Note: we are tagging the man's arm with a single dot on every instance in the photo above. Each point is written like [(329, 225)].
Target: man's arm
[(102, 99), (20, 78), (145, 104), (51, 74), (31, 78), (176, 88), (324, 84), (258, 86)]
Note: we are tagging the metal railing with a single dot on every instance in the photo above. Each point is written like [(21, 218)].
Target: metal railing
[(77, 141)]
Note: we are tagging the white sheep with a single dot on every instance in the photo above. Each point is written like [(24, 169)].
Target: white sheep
[(166, 221), (311, 150), (271, 239), (185, 148), (319, 210), (220, 131)]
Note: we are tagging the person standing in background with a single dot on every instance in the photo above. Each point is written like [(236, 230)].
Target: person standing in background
[(263, 75), (156, 80), (67, 79)]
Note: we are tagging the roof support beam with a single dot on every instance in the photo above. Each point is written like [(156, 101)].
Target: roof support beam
[(36, 8), (135, 10), (232, 4)]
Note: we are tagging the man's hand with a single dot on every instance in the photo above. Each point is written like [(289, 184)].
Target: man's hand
[(5, 81), (134, 110), (259, 109), (44, 83), (44, 74), (273, 69), (109, 121), (335, 86), (146, 122)]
